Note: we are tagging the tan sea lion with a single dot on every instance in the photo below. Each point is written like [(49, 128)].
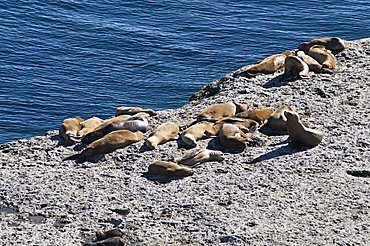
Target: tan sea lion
[(231, 136), (300, 134), (258, 115), (101, 235), (137, 122), (110, 142), (134, 110), (200, 156), (334, 44), (242, 123), (217, 111), (166, 168), (313, 65), (269, 65), (69, 129), (164, 133), (112, 241), (277, 119), (196, 132), (323, 56), (89, 125), (295, 68)]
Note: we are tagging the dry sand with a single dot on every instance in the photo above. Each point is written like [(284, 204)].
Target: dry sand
[(275, 194)]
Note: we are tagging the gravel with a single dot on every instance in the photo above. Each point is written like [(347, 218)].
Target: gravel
[(274, 194)]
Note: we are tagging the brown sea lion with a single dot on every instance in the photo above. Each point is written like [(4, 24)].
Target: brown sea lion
[(200, 156), (164, 133), (269, 65), (231, 136), (313, 65), (242, 123), (89, 125), (299, 134), (110, 142), (101, 235), (295, 68), (217, 111), (258, 115), (323, 56), (277, 119), (134, 110), (137, 122), (69, 129), (112, 241), (334, 44), (171, 169), (196, 132)]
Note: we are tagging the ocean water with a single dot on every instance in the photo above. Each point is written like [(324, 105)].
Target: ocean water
[(67, 58)]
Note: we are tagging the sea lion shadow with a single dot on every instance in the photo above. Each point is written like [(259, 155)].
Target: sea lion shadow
[(144, 148), (182, 145), (287, 149), (266, 130), (276, 82), (160, 179), (215, 144)]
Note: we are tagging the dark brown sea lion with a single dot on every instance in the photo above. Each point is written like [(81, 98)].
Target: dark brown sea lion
[(101, 235), (334, 44), (295, 68), (299, 134), (164, 133), (69, 129), (171, 169)]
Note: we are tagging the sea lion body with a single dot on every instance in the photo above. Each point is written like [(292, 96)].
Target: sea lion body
[(89, 125), (313, 65), (258, 115), (171, 169), (69, 129), (269, 65), (217, 111), (300, 134), (277, 119), (164, 133), (133, 111), (231, 136), (334, 44), (323, 56), (200, 156), (196, 132), (110, 142), (295, 68), (242, 123)]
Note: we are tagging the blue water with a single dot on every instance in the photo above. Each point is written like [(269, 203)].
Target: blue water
[(68, 58)]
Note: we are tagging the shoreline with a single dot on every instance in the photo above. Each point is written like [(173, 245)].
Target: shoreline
[(273, 194)]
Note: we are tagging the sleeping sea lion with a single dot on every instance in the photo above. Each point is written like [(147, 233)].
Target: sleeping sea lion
[(231, 136), (200, 156), (69, 129), (313, 65), (217, 111), (269, 65), (299, 134), (196, 132), (164, 133), (242, 123), (334, 44), (89, 125), (295, 68), (323, 56), (134, 110), (110, 142), (277, 119), (258, 115), (171, 169)]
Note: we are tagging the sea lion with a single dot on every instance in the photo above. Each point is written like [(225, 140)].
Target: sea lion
[(69, 129), (137, 122), (313, 65), (258, 115), (164, 133), (231, 136), (200, 156), (166, 168), (89, 125), (217, 111), (277, 119), (112, 241), (110, 142), (295, 68), (242, 123), (334, 44), (196, 132), (323, 56), (269, 65), (299, 134), (101, 235), (134, 110)]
